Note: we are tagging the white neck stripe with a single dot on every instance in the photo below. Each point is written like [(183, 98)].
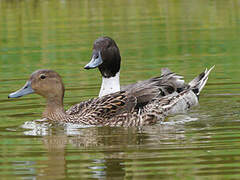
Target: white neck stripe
[(110, 85)]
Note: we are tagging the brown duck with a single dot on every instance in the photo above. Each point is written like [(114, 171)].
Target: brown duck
[(117, 109)]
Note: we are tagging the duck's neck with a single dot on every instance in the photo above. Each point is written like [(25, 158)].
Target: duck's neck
[(110, 85), (54, 109)]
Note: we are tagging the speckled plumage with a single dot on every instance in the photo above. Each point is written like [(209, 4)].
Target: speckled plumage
[(118, 109)]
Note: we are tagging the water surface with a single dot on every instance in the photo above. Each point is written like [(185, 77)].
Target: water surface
[(186, 36)]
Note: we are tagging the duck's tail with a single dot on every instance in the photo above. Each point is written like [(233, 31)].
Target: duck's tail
[(199, 82), (180, 102)]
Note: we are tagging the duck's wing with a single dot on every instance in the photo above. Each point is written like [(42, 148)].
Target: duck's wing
[(106, 106), (145, 91), (75, 109)]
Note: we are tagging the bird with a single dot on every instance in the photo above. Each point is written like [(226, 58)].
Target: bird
[(106, 56), (116, 109)]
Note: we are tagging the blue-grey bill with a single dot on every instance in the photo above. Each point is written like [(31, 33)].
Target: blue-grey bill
[(26, 89), (95, 61)]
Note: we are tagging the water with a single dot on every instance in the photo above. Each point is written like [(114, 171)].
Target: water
[(186, 36)]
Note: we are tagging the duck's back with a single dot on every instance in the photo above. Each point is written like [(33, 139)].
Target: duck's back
[(145, 91), (106, 106)]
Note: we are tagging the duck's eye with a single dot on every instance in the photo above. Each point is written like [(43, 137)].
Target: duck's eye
[(96, 56), (42, 76)]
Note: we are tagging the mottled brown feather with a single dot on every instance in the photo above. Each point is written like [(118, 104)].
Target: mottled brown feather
[(116, 109)]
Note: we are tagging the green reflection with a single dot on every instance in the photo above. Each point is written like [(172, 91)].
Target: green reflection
[(184, 35)]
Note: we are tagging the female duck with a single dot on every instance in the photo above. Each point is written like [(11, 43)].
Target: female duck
[(112, 110)]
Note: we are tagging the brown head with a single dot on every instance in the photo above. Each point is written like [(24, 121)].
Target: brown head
[(105, 56), (46, 83)]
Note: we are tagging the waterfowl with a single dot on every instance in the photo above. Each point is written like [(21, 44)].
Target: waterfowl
[(106, 56), (117, 109)]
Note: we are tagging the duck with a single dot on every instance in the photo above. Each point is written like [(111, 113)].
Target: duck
[(106, 57), (116, 109)]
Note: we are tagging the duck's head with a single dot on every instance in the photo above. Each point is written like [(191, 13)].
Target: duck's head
[(106, 57), (46, 83)]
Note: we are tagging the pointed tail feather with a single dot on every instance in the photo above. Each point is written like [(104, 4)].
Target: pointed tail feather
[(199, 82), (179, 102)]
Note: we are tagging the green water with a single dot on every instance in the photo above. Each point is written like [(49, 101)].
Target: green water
[(186, 36)]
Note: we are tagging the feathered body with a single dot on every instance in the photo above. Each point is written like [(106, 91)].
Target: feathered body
[(106, 57), (141, 104), (119, 109)]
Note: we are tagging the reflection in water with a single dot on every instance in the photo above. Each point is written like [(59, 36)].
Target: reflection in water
[(24, 168), (105, 143), (102, 142), (185, 36), (54, 167)]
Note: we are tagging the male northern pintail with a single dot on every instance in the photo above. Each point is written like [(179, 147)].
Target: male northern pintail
[(117, 109), (106, 56)]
